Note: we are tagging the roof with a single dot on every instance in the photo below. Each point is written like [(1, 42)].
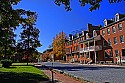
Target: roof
[(113, 23)]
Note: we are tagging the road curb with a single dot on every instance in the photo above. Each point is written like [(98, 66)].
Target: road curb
[(72, 76)]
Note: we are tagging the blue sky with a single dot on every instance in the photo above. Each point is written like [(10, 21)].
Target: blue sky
[(53, 19)]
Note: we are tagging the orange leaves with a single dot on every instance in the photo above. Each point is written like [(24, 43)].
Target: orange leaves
[(59, 45)]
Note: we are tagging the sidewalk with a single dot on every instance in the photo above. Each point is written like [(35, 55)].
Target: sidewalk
[(61, 78)]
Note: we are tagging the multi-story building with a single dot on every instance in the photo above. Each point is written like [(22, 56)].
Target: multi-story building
[(113, 34), (73, 47), (99, 44), (79, 46), (91, 45)]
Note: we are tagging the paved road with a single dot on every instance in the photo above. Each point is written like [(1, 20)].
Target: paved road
[(93, 73)]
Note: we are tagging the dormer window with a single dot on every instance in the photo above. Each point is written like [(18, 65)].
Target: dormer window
[(94, 33), (87, 35), (82, 33), (117, 17), (72, 37), (105, 23)]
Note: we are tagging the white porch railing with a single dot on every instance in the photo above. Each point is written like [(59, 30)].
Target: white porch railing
[(91, 48)]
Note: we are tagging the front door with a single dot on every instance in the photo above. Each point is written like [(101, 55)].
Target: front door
[(123, 52)]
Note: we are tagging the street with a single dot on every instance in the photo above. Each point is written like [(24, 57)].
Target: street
[(92, 73)]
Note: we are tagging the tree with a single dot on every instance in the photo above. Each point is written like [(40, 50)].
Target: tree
[(29, 40), (10, 19), (7, 42), (59, 45), (94, 4)]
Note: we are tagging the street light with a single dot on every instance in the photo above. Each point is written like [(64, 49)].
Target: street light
[(52, 56)]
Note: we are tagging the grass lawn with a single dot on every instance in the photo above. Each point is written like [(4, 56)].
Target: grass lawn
[(21, 73)]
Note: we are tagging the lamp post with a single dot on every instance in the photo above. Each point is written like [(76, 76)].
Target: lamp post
[(52, 68)]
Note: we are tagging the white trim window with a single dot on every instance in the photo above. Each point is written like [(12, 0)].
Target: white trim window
[(116, 53), (119, 26), (105, 55), (105, 22), (109, 42), (104, 43), (117, 17), (103, 32), (94, 33), (108, 31), (111, 55), (121, 39), (87, 55), (113, 29), (115, 40), (87, 35)]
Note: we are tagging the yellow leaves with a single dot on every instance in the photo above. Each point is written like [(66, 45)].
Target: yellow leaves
[(59, 45)]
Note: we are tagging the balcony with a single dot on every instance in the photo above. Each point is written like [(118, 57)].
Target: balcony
[(68, 52), (91, 48), (74, 51), (97, 38)]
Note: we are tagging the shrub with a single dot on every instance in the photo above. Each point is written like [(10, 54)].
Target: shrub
[(6, 63)]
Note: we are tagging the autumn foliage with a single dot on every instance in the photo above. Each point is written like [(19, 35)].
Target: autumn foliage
[(59, 45)]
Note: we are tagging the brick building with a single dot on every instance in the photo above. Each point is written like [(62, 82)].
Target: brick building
[(113, 34), (98, 44)]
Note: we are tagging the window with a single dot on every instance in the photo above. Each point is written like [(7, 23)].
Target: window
[(78, 55), (78, 40), (120, 26), (75, 48), (81, 45), (78, 48), (74, 41), (115, 40), (109, 42), (94, 33), (67, 49), (111, 55), (104, 43), (82, 54), (116, 53), (87, 55), (103, 32), (113, 29), (105, 22), (116, 17), (105, 55), (81, 39), (121, 39), (87, 35), (70, 43), (108, 31)]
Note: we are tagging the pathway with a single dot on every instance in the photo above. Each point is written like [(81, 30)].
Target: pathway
[(61, 78)]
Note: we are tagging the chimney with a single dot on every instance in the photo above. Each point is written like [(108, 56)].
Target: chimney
[(70, 36)]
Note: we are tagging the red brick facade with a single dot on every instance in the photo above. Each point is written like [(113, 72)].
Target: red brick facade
[(99, 44)]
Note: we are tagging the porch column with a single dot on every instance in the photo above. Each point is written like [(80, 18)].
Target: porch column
[(95, 51), (88, 49), (84, 58)]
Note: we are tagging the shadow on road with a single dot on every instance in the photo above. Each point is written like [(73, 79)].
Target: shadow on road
[(77, 68)]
